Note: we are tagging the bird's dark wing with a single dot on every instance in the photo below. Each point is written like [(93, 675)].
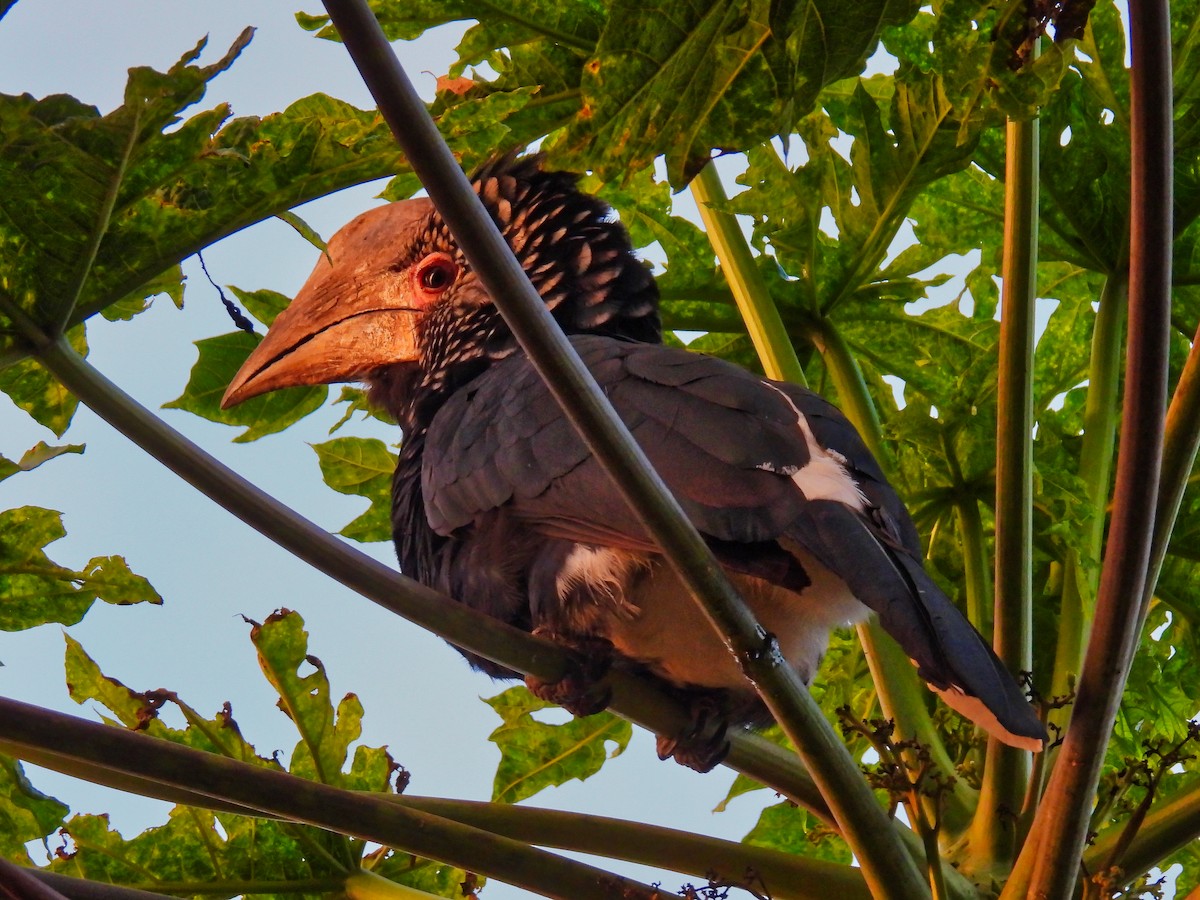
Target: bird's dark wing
[(758, 466), (710, 429)]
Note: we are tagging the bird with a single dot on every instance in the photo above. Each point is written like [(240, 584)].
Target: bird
[(499, 504)]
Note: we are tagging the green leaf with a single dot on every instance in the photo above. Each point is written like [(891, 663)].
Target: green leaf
[(362, 467), (644, 205), (90, 168), (786, 827), (144, 190), (534, 755), (685, 78), (26, 814), (476, 126), (169, 282), (34, 457), (31, 387), (425, 875), (190, 849), (34, 590), (86, 682), (263, 304), (220, 358), (302, 228), (661, 70), (325, 736), (140, 710), (356, 402)]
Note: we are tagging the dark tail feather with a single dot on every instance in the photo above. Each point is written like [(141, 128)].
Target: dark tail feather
[(949, 653)]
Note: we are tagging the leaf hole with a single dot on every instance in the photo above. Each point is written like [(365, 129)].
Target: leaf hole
[(1157, 633), (551, 715), (897, 386)]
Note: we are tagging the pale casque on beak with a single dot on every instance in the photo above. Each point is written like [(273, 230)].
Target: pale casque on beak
[(355, 313)]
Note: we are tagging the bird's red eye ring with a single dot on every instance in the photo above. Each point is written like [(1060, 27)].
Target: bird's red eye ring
[(435, 274)]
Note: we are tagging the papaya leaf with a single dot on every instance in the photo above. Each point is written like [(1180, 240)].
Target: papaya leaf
[(34, 457), (220, 358), (534, 755), (303, 229), (361, 467), (786, 827), (35, 590), (26, 814), (169, 282), (263, 304), (325, 735), (197, 846), (102, 208), (356, 402), (32, 388), (422, 874)]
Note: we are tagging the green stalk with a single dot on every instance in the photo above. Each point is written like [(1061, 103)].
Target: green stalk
[(865, 825), (364, 885), (362, 816), (83, 889), (994, 838), (759, 312), (787, 876), (977, 577), (975, 568), (1181, 441), (1095, 470), (1056, 841)]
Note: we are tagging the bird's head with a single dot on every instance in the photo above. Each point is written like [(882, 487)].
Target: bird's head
[(394, 302)]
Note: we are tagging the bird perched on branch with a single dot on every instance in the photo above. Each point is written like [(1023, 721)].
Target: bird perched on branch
[(498, 503)]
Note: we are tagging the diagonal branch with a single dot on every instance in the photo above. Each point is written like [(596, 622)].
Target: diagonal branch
[(18, 883), (83, 889), (889, 870), (359, 815), (787, 876)]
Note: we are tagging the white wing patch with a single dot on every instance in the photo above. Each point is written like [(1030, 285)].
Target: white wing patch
[(603, 570), (825, 476)]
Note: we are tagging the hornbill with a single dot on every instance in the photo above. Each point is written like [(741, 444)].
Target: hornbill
[(498, 503)]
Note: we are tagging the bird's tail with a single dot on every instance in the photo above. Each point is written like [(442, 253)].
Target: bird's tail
[(949, 653)]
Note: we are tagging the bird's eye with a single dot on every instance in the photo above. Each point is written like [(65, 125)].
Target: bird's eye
[(435, 273)]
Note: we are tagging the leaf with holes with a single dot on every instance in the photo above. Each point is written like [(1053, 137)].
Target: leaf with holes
[(534, 755)]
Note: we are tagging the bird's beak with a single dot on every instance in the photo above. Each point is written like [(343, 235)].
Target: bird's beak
[(356, 313)]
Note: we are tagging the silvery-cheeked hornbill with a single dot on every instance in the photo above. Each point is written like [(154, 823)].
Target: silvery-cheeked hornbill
[(498, 503)]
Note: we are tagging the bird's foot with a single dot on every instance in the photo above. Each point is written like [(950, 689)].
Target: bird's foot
[(704, 744), (582, 691)]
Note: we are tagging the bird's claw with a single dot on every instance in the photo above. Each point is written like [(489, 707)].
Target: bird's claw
[(582, 691), (705, 742)]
